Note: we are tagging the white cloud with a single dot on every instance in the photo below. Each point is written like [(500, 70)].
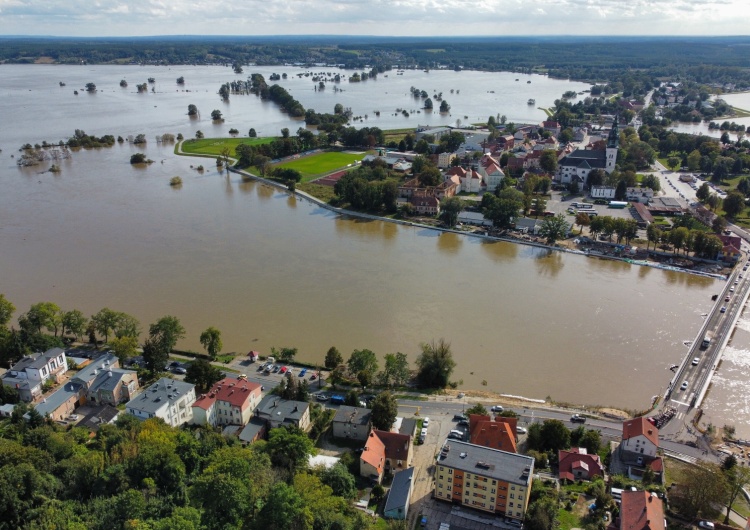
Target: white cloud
[(373, 17)]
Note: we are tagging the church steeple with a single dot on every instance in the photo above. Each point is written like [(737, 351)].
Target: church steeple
[(613, 142)]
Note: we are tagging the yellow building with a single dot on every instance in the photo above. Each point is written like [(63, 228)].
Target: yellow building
[(485, 479)]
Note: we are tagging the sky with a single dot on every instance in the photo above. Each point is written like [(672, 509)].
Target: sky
[(373, 17)]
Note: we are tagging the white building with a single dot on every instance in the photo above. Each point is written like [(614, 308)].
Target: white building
[(602, 192), (642, 195), (229, 402), (640, 437), (167, 399)]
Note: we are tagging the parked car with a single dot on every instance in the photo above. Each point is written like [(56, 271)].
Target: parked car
[(723, 309), (496, 408), (322, 397), (303, 372), (313, 377), (463, 421), (577, 418), (706, 524), (521, 430), (180, 370), (426, 422), (684, 385), (459, 417), (695, 361)]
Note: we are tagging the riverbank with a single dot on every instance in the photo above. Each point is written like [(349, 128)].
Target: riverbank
[(522, 241)]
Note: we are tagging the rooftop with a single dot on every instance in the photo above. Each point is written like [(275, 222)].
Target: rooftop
[(278, 409), (236, 392), (639, 510), (164, 391), (37, 360), (57, 398), (640, 426), (90, 372), (502, 465), (398, 496), (353, 415)]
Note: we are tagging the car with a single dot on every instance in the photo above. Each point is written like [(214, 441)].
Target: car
[(277, 369), (696, 361), (423, 432), (242, 377), (496, 408), (521, 430), (740, 275), (460, 395), (577, 418), (736, 282), (706, 524), (261, 368), (723, 309), (313, 377), (73, 417), (426, 422), (456, 435), (179, 370), (726, 298), (322, 397), (303, 372), (684, 385), (464, 422), (459, 417)]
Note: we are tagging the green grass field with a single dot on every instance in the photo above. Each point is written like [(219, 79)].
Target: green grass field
[(317, 165), (213, 146)]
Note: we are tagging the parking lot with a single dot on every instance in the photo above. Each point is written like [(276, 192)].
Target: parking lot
[(557, 205)]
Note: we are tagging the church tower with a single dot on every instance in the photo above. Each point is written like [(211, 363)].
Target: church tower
[(613, 143)]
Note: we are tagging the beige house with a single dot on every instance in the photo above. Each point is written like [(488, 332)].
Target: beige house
[(229, 402), (385, 452)]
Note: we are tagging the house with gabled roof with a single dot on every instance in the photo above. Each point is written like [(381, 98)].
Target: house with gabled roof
[(576, 166), (399, 496), (498, 434), (29, 374), (385, 452), (280, 412), (352, 423), (730, 252), (640, 437), (640, 510), (492, 174), (168, 399), (576, 464), (229, 402)]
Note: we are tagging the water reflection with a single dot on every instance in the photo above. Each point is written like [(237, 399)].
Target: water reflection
[(549, 262), (500, 251), (450, 243)]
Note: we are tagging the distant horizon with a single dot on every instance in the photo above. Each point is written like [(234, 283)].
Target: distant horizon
[(376, 36), (406, 18)]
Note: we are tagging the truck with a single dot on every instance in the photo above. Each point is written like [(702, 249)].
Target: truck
[(707, 338)]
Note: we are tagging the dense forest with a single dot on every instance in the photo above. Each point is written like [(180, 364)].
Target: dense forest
[(700, 59)]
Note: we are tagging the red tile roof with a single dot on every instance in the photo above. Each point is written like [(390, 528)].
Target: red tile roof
[(578, 457), (374, 452), (235, 392), (640, 426), (456, 170), (639, 510), (396, 444), (498, 434)]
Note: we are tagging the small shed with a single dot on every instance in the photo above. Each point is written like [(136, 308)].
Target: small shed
[(253, 356)]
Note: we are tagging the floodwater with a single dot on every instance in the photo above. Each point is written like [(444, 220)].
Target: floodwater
[(271, 270)]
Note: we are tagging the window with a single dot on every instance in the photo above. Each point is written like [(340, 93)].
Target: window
[(441, 468), (512, 496), (513, 488), (520, 497), (440, 486), (450, 471), (441, 477), (493, 490), (510, 504), (449, 487)]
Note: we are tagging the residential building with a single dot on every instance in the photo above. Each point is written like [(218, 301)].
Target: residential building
[(385, 452), (278, 412), (408, 426), (490, 171), (642, 195), (101, 416), (60, 404), (425, 205), (473, 218), (32, 371), (641, 510), (640, 437), (104, 382), (730, 252), (552, 126), (352, 422), (445, 159), (399, 496), (527, 225), (168, 399), (577, 464), (498, 434), (229, 402), (472, 181), (486, 479), (602, 192), (255, 430)]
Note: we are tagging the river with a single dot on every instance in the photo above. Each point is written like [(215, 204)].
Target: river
[(271, 270)]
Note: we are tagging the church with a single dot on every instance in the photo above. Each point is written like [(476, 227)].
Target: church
[(576, 166)]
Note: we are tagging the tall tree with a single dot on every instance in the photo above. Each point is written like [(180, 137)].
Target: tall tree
[(167, 331), (155, 356), (582, 219), (333, 358), (45, 315), (435, 364), (396, 370), (284, 508), (124, 348), (384, 411), (74, 322), (450, 208), (554, 228), (203, 374), (211, 341), (6, 310), (737, 477), (703, 488), (734, 203), (289, 448), (362, 361), (105, 322)]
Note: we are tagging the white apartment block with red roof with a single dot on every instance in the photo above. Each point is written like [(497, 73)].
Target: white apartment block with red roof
[(229, 402)]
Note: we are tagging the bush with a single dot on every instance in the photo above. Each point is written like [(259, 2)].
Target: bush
[(175, 181), (139, 158)]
